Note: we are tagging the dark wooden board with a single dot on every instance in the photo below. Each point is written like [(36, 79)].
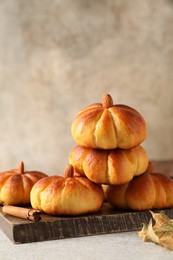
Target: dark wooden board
[(108, 220)]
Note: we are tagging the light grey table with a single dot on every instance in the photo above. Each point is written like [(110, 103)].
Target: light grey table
[(117, 246)]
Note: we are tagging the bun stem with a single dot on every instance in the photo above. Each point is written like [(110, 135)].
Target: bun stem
[(21, 168), (68, 171), (107, 101)]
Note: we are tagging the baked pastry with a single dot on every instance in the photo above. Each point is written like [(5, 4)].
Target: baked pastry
[(148, 191), (108, 126), (67, 195), (15, 185), (114, 167)]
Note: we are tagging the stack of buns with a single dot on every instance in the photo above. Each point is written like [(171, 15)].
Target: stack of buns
[(108, 163), (109, 152), (109, 138)]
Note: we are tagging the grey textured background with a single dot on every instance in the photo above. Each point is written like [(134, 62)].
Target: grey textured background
[(59, 56)]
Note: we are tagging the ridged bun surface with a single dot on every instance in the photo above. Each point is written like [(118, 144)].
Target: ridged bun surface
[(108, 126), (148, 191), (114, 167), (16, 185), (67, 195)]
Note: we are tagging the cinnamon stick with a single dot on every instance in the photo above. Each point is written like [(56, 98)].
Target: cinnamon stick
[(30, 214)]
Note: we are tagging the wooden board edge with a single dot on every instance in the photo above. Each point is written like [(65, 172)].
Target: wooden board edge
[(78, 227), (7, 228)]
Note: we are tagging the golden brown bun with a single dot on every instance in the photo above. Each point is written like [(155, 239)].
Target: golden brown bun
[(116, 166), (15, 185), (148, 191), (108, 126), (68, 195)]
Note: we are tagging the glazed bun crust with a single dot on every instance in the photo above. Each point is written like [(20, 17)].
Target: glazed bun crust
[(108, 126), (16, 185), (57, 195), (148, 191), (109, 166)]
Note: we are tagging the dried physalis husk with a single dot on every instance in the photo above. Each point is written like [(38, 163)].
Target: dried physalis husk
[(160, 233)]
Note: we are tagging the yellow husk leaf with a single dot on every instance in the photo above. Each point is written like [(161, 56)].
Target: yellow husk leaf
[(161, 233)]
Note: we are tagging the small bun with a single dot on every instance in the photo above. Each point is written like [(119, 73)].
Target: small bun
[(67, 195), (114, 167), (148, 191), (107, 126), (16, 185)]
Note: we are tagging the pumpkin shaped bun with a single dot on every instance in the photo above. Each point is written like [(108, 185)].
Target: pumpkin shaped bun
[(148, 191), (15, 185), (114, 167), (108, 126), (67, 195)]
